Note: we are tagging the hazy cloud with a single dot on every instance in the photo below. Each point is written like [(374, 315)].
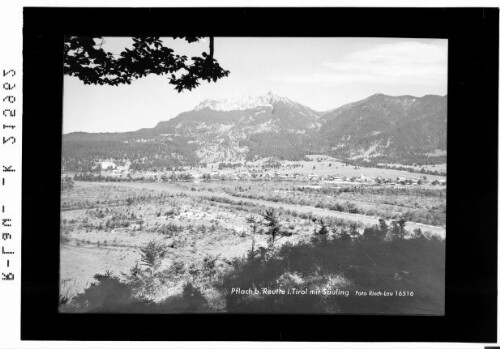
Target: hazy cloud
[(396, 63)]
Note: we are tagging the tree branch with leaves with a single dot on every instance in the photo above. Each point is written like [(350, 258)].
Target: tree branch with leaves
[(85, 58)]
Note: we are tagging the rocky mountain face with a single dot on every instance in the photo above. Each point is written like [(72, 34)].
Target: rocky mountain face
[(380, 128), (393, 129), (250, 128)]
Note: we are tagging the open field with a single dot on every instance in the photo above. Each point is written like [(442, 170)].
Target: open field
[(104, 226), (314, 165), (365, 203), (440, 168)]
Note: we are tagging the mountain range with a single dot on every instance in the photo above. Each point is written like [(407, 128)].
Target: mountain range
[(380, 128)]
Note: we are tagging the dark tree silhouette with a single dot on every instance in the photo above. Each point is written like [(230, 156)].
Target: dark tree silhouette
[(384, 228), (273, 225), (271, 222), (398, 229), (85, 59), (253, 225), (323, 228)]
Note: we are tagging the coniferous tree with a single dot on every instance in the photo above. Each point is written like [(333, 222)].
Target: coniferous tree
[(252, 220), (271, 222)]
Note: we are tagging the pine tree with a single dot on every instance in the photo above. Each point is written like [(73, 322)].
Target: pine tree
[(252, 220), (271, 222)]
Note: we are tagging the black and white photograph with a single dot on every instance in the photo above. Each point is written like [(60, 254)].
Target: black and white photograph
[(254, 175)]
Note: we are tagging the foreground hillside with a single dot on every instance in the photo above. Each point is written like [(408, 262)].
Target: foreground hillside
[(187, 247)]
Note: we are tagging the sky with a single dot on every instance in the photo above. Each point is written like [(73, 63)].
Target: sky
[(321, 73)]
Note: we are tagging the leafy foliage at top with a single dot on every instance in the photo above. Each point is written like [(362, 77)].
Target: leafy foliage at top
[(85, 59)]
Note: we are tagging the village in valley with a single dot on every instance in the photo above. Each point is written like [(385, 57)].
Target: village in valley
[(313, 169)]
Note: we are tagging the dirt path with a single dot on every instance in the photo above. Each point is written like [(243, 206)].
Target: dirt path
[(364, 219)]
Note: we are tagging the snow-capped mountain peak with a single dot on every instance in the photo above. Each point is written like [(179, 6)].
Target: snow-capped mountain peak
[(248, 102)]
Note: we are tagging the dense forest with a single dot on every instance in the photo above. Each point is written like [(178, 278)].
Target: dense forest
[(158, 153)]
